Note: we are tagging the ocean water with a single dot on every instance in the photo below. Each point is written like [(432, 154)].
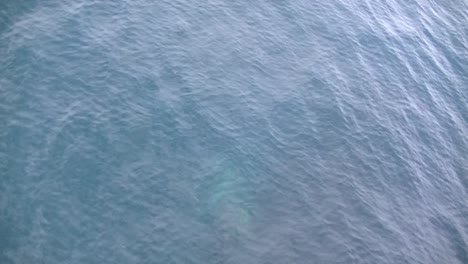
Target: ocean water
[(234, 131)]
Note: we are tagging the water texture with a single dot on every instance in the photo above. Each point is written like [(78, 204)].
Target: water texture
[(234, 131)]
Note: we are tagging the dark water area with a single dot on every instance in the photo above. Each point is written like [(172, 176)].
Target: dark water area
[(234, 131)]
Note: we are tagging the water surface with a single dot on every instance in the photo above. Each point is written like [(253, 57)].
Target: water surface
[(234, 131)]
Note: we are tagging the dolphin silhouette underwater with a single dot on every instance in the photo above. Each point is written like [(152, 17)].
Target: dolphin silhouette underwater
[(225, 197)]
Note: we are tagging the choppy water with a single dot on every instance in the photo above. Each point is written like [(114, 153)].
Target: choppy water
[(234, 131)]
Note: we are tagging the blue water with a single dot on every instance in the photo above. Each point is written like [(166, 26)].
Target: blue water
[(234, 131)]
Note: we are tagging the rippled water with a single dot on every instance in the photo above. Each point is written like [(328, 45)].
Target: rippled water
[(234, 131)]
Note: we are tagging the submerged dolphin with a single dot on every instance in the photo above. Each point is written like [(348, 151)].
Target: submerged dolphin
[(225, 198)]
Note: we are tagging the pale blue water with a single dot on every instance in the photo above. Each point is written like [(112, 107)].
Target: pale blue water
[(234, 131)]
